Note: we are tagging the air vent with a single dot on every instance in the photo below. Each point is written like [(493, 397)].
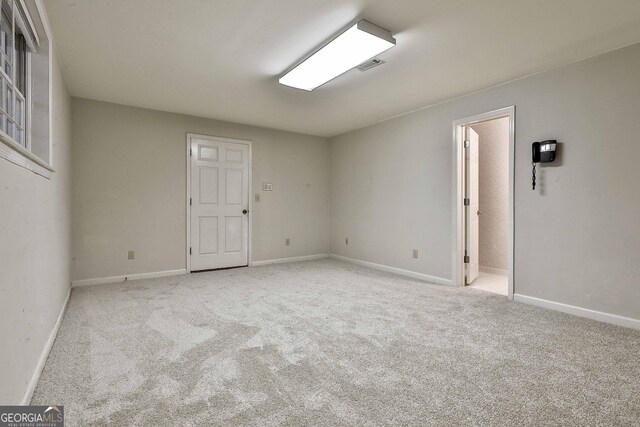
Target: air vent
[(367, 65)]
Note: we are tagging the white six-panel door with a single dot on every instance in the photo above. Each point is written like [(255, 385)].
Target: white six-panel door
[(472, 209), (219, 223)]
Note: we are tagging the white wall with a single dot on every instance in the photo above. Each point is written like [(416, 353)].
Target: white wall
[(35, 248), (129, 189), (493, 175), (576, 236)]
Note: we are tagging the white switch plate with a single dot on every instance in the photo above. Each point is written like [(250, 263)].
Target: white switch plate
[(267, 186)]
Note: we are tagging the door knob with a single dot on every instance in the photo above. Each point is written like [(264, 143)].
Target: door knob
[(244, 211), (479, 212)]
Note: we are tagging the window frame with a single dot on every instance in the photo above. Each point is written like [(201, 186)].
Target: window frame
[(10, 148)]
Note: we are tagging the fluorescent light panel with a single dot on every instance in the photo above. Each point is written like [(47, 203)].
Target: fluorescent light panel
[(360, 42)]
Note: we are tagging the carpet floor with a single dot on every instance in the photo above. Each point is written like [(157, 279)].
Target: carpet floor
[(330, 343)]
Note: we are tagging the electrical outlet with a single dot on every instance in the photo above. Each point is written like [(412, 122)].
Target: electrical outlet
[(287, 242), (131, 255), (257, 197), (415, 253), (346, 241)]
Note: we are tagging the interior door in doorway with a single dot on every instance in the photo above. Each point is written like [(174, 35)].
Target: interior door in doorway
[(219, 223), (472, 239)]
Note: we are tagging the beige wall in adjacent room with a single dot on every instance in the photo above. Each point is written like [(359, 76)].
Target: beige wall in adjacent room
[(35, 250), (129, 168), (494, 192), (576, 235)]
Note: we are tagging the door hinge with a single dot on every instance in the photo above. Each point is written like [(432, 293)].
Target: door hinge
[(191, 151), (190, 201), (467, 144), (466, 258), (189, 250), (466, 201)]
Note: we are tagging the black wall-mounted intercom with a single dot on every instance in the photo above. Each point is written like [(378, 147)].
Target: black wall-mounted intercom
[(542, 152)]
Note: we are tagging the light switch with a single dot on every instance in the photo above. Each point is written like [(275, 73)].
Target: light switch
[(131, 255), (257, 197)]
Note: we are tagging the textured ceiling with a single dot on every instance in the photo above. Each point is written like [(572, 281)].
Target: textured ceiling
[(222, 59)]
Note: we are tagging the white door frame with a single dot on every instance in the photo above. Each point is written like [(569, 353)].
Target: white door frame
[(188, 192), (458, 191)]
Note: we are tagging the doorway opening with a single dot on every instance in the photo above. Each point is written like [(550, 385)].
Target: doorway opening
[(483, 201)]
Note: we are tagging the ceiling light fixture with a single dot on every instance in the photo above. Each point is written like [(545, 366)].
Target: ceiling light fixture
[(351, 48)]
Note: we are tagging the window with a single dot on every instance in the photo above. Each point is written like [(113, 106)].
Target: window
[(24, 85), (14, 75)]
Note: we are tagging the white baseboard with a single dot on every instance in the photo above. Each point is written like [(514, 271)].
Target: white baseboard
[(407, 273), (492, 270), (137, 276), (579, 311), (292, 259), (31, 387)]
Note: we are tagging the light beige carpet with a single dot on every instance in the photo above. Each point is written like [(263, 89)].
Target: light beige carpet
[(330, 343)]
